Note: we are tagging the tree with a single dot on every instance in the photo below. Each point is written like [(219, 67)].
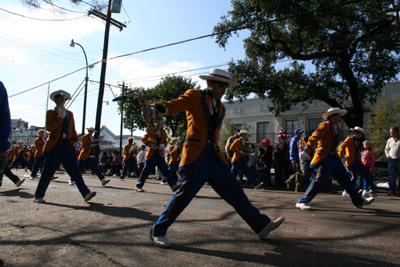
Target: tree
[(229, 129), (169, 88), (385, 117), (353, 47)]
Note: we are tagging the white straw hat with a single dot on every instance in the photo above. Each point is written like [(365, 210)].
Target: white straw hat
[(219, 76), (332, 111)]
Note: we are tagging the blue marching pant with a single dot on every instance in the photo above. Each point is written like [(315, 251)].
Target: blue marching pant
[(93, 165), (210, 170), (19, 160), (331, 167), (38, 162), (173, 168), (67, 157), (353, 174), (9, 174), (242, 165), (151, 163), (130, 163)]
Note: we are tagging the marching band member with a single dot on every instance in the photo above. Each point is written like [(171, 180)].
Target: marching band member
[(31, 158), (87, 156), (156, 141), (350, 152), (130, 153), (202, 160), (21, 153), (39, 158), (60, 148), (238, 162), (327, 161), (5, 130)]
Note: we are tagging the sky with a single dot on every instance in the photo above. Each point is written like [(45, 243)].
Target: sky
[(35, 52)]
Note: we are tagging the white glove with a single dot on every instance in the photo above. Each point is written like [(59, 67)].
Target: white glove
[(162, 146), (176, 148), (63, 113), (343, 160), (131, 150), (27, 153), (242, 152), (19, 151), (304, 155), (76, 145)]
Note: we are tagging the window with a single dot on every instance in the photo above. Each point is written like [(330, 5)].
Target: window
[(238, 126), (236, 109), (291, 126), (313, 125), (262, 131)]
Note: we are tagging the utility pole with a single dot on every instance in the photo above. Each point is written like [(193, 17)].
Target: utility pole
[(109, 21), (122, 124)]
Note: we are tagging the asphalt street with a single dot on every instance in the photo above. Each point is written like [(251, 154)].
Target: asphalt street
[(113, 228)]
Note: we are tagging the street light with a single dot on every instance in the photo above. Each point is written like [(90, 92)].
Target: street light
[(72, 44)]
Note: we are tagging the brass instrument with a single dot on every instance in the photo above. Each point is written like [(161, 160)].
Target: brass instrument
[(153, 119), (67, 98)]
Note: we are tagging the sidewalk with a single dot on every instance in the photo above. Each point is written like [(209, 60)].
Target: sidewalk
[(113, 229)]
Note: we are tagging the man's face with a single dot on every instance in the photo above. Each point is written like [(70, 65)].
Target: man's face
[(174, 142), (394, 133), (90, 133), (244, 136), (336, 119), (218, 89), (59, 99), (299, 134), (41, 134)]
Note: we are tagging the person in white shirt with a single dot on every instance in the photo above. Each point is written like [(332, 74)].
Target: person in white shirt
[(392, 151), (142, 158)]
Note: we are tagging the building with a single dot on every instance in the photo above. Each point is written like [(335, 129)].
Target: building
[(263, 124), (111, 140)]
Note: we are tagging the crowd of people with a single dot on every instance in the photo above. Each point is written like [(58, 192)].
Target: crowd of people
[(200, 160)]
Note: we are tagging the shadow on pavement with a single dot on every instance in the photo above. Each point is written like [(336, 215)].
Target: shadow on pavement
[(287, 252), (17, 192), (123, 212)]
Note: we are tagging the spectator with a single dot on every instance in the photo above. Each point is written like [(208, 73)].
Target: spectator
[(280, 160), (294, 157), (260, 170), (104, 163), (392, 151), (305, 163), (267, 158), (116, 164), (368, 159), (253, 158)]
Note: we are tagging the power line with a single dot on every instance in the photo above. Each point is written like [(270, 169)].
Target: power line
[(16, 14), (193, 39), (62, 8), (38, 48)]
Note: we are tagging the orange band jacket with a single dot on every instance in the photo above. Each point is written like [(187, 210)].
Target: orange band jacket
[(327, 139), (200, 137)]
